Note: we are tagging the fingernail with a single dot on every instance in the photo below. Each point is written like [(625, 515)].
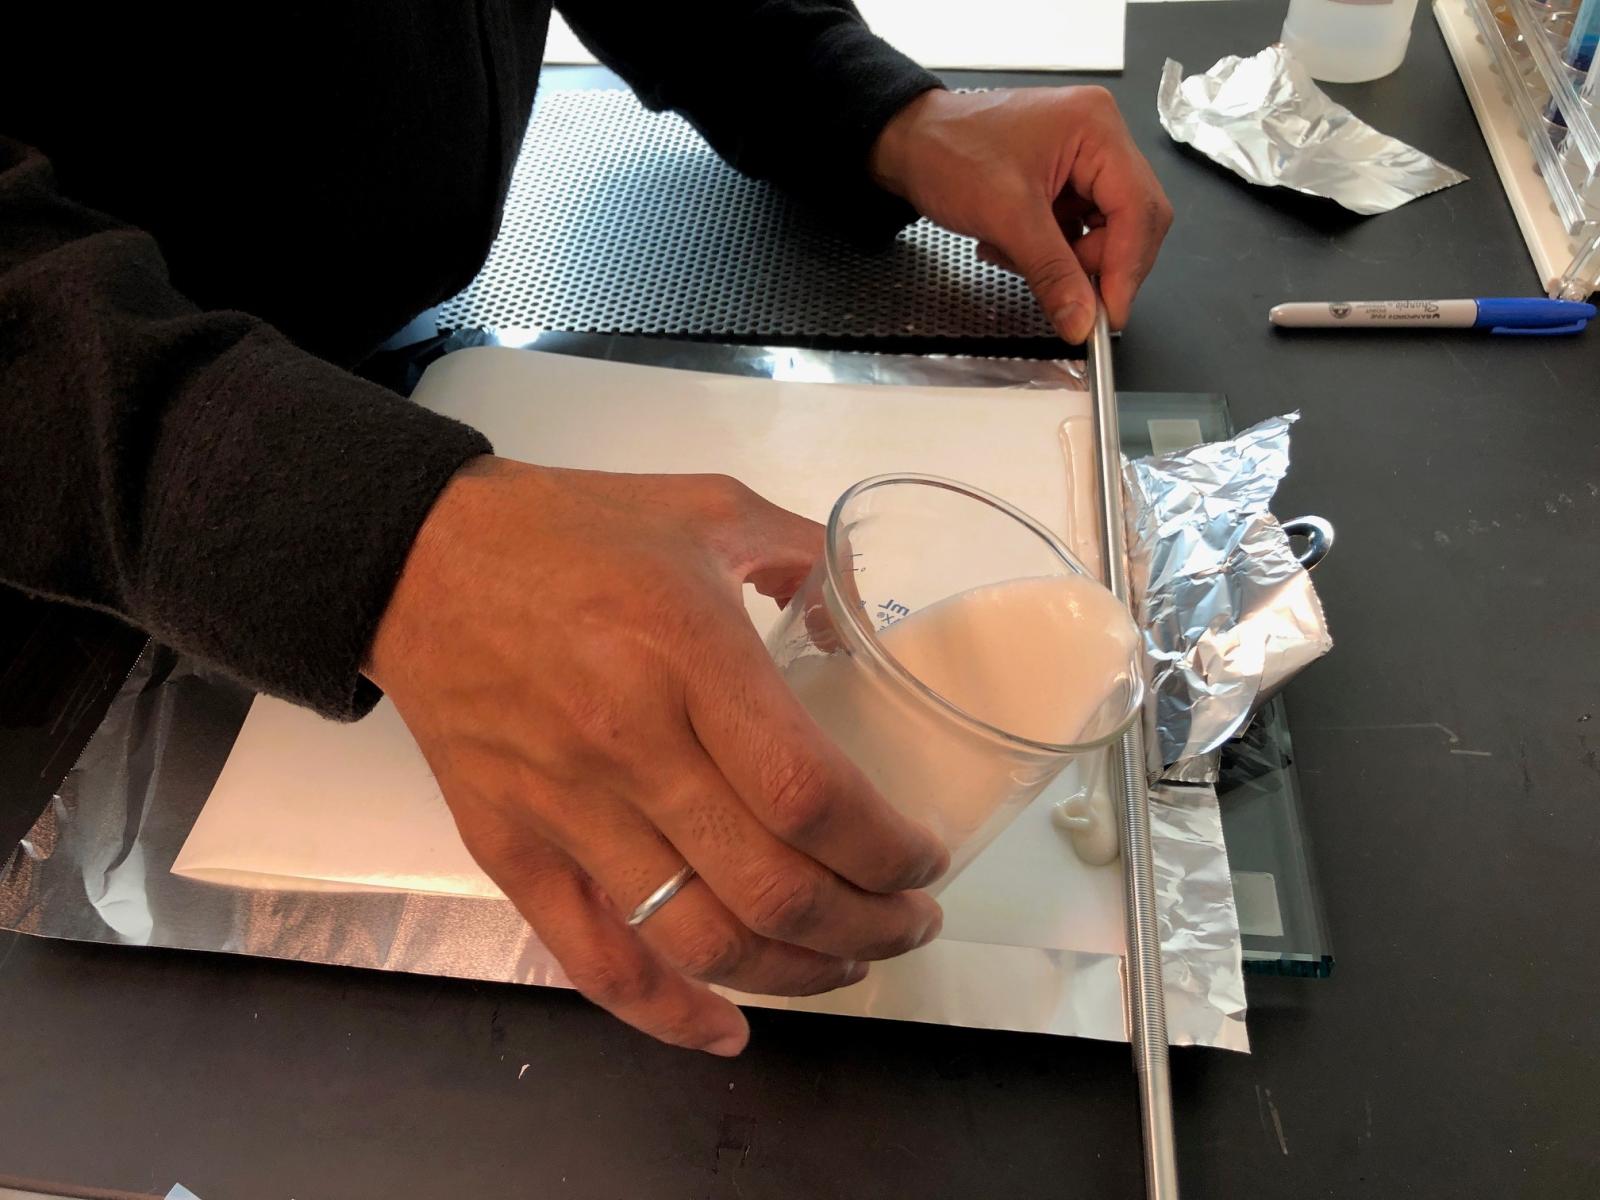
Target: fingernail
[(931, 930), (1072, 322), (728, 1046), (854, 973)]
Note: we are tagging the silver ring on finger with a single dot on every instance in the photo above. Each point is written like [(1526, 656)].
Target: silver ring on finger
[(648, 906)]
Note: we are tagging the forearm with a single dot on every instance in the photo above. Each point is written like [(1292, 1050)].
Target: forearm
[(795, 91), (193, 471)]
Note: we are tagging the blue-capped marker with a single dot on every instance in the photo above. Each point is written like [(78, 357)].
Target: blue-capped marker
[(1517, 316)]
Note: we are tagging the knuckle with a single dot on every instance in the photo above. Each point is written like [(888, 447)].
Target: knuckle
[(785, 904), (824, 979), (711, 952), (1053, 275), (799, 797), (1095, 97), (1010, 193), (737, 489), (505, 851), (595, 715), (609, 982), (502, 831), (722, 497)]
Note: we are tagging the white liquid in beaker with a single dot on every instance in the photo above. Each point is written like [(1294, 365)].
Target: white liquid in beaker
[(1039, 658)]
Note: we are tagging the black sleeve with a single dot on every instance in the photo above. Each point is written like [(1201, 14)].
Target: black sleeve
[(795, 91), (193, 471)]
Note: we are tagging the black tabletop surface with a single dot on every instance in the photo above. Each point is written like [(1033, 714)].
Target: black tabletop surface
[(1446, 748)]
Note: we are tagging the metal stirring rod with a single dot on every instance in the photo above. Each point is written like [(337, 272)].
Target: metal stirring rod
[(1146, 1001)]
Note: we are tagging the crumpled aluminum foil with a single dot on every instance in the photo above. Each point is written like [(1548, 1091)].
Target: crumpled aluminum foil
[(1264, 119), (1228, 613)]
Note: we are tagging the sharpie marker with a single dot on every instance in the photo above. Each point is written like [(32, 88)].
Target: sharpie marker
[(1525, 317)]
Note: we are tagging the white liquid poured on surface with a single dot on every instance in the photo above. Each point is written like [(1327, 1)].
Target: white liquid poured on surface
[(1047, 659)]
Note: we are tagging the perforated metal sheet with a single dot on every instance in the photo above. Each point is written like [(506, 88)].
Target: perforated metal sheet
[(620, 220)]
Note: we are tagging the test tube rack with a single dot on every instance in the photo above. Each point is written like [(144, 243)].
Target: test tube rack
[(1511, 67)]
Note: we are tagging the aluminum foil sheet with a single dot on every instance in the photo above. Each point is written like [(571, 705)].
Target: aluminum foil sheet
[(1266, 120), (786, 363), (1228, 613), (97, 865)]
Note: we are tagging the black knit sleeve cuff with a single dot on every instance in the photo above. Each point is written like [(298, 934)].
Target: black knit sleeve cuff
[(866, 81), (285, 513)]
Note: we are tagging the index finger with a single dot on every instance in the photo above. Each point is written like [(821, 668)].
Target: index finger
[(1137, 216), (798, 784)]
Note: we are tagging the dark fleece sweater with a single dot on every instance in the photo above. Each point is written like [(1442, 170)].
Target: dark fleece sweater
[(208, 213)]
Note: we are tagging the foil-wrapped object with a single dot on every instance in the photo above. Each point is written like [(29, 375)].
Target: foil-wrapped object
[(1228, 612), (1264, 119)]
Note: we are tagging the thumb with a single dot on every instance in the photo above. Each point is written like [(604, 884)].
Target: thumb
[(1041, 253)]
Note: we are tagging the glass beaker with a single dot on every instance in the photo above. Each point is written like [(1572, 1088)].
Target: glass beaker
[(958, 652)]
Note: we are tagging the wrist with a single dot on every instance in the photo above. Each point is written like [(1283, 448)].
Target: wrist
[(895, 149), (459, 507)]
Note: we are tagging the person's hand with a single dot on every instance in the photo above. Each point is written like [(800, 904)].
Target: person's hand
[(1025, 172), (572, 653)]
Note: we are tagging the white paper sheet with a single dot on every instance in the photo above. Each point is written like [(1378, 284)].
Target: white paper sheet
[(1032, 937), (999, 35), (307, 802)]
